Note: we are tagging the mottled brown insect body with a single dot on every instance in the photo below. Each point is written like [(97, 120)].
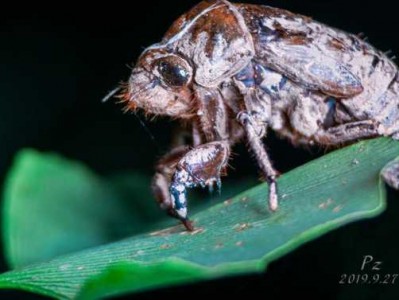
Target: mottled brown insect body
[(234, 70)]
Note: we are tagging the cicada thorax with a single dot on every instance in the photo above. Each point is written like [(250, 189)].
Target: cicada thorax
[(213, 36)]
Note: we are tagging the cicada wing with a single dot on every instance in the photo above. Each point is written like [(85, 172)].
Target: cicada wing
[(308, 52), (308, 65)]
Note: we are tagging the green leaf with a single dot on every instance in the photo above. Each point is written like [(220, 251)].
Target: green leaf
[(237, 236), (53, 206)]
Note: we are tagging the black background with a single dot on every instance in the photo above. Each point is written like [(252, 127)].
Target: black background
[(57, 62)]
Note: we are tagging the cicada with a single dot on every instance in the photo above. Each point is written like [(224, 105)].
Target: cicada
[(231, 72)]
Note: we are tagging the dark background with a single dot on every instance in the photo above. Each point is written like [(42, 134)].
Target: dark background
[(58, 61)]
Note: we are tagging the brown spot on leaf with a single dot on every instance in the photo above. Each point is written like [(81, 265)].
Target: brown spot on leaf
[(338, 208), (167, 231), (326, 204), (242, 227), (194, 232), (228, 202)]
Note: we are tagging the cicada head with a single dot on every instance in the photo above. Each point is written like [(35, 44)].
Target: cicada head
[(160, 84)]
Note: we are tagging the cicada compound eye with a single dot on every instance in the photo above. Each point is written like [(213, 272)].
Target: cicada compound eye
[(174, 71)]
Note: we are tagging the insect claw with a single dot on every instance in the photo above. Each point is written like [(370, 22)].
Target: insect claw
[(188, 224), (273, 198), (185, 221)]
